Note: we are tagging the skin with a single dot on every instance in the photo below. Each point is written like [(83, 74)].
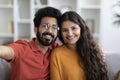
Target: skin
[(51, 21), (70, 33), (7, 52)]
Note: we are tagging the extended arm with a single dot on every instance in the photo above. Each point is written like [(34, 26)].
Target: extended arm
[(6, 52)]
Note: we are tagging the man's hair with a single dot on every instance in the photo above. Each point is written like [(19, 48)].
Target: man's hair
[(46, 12)]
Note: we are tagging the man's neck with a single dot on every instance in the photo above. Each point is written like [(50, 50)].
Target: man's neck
[(41, 47)]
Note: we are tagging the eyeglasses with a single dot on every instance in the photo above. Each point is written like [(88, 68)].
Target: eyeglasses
[(46, 26)]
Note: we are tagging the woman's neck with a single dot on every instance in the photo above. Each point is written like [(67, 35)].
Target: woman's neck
[(71, 46)]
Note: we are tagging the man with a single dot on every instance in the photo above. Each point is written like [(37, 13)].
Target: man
[(30, 60)]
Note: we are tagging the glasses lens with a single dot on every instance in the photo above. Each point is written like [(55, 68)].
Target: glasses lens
[(47, 25)]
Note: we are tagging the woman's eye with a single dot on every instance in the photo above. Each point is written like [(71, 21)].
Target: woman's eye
[(74, 28), (64, 30)]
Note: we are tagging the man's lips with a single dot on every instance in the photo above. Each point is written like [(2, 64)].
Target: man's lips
[(47, 36)]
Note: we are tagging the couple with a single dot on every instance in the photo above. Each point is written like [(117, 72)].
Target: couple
[(79, 58)]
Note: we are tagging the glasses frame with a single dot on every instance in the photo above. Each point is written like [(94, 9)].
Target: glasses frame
[(46, 26)]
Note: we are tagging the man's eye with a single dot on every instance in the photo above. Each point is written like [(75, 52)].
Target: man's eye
[(54, 27), (44, 26)]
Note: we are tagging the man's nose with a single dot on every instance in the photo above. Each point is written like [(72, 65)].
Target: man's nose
[(49, 29)]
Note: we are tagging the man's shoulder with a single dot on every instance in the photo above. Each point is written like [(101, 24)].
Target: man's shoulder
[(20, 43), (54, 45)]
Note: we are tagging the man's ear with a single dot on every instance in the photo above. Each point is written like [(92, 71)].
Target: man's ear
[(35, 30)]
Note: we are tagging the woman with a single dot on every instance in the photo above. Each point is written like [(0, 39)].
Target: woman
[(79, 58)]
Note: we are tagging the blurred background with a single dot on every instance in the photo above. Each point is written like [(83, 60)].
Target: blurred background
[(102, 17)]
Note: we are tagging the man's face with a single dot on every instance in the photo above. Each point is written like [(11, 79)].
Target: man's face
[(47, 32)]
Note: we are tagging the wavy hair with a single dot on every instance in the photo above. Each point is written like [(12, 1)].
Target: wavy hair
[(87, 48)]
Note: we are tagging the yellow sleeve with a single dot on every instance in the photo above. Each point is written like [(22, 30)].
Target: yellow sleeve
[(54, 69)]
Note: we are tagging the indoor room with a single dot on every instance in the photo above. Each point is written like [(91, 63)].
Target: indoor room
[(101, 16)]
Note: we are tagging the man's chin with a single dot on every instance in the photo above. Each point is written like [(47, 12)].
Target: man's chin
[(47, 44), (48, 40)]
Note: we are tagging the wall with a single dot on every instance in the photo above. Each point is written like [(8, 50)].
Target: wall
[(110, 38), (110, 34)]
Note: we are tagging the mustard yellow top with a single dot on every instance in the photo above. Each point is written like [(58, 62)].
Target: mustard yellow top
[(66, 65)]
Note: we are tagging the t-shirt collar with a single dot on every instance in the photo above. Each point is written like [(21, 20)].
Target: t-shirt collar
[(34, 47)]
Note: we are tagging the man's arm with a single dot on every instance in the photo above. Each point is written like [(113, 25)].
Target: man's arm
[(6, 52)]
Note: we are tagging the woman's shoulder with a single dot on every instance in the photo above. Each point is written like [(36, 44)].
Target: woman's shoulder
[(58, 50)]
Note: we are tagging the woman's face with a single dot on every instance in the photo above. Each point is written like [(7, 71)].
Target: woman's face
[(70, 32)]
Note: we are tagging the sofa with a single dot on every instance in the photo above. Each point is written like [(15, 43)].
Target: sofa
[(4, 70), (113, 65), (112, 60)]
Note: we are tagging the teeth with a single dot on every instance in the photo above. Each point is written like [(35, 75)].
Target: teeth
[(70, 38), (47, 36)]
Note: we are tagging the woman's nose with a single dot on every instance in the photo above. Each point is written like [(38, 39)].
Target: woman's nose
[(70, 33)]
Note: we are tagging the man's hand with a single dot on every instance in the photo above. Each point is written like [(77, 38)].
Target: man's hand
[(6, 52)]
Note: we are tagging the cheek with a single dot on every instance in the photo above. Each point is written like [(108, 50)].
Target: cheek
[(55, 34), (63, 36), (78, 33), (41, 31)]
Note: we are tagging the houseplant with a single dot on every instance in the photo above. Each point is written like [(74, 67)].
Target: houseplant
[(117, 13)]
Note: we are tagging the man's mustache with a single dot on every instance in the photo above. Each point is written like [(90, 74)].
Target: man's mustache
[(47, 33)]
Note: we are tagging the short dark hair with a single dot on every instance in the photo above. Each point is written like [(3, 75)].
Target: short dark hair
[(46, 12)]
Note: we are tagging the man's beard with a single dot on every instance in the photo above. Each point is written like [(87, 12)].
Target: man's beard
[(44, 41)]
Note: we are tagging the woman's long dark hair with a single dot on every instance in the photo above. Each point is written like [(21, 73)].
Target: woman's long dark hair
[(87, 48)]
